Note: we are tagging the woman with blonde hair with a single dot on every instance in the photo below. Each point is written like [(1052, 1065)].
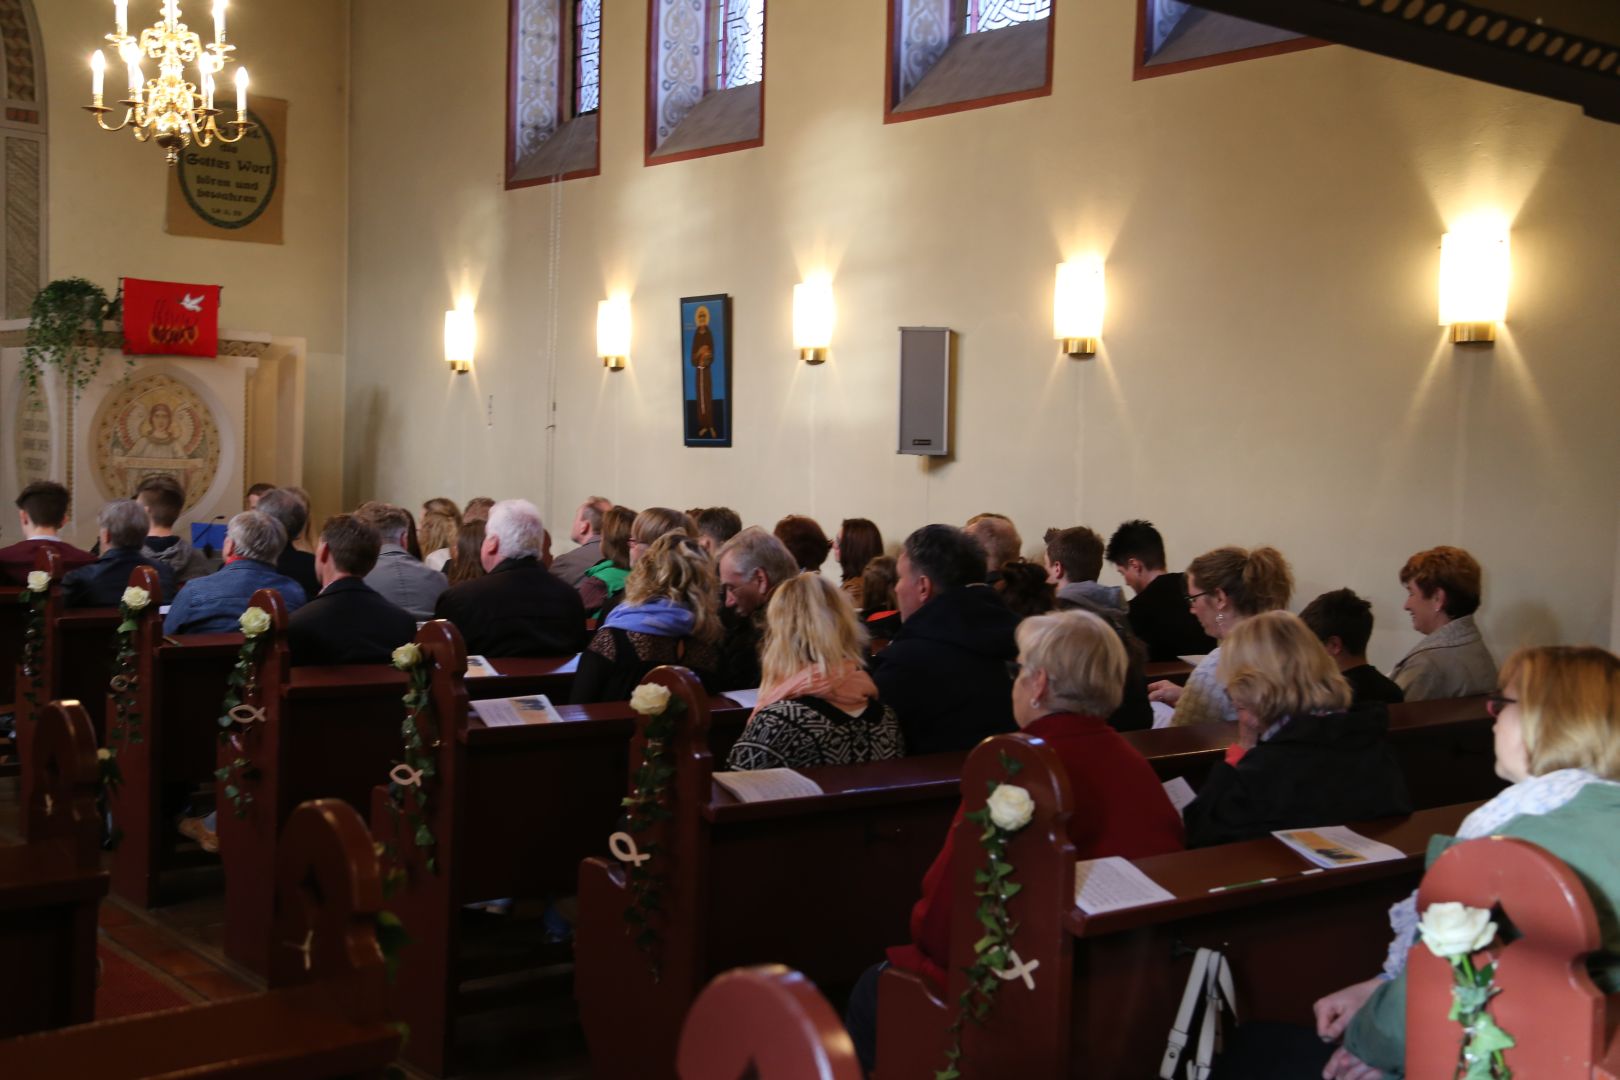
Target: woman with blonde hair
[(437, 533), (656, 521), (669, 616), (1557, 738), (1303, 756), (1224, 587), (817, 705)]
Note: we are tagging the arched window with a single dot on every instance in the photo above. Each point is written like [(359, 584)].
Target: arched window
[(554, 91), (1174, 35), (949, 55), (22, 177), (705, 77)]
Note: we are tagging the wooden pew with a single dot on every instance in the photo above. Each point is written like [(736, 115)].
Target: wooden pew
[(1563, 1026), (1174, 670), (51, 887), (323, 1016), (1108, 985), (512, 810), (764, 1023)]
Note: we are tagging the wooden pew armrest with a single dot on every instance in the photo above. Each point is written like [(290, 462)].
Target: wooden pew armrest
[(912, 1018), (926, 778)]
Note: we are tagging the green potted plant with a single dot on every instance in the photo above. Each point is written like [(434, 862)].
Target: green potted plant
[(65, 332)]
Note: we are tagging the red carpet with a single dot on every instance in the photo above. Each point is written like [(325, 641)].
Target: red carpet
[(126, 990)]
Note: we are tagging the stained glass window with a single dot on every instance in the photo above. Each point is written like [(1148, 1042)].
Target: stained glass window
[(736, 43), (999, 14), (587, 56)]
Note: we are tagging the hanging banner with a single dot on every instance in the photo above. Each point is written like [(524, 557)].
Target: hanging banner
[(167, 318), (234, 191)]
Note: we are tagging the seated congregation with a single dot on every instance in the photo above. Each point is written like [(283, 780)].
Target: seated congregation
[(905, 660)]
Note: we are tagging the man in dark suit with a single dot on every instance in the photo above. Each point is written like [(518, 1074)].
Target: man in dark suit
[(289, 509), (102, 583), (1160, 614), (348, 623), (41, 511), (517, 608)]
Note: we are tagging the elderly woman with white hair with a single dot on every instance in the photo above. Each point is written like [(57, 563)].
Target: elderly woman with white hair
[(1068, 678), (518, 608)]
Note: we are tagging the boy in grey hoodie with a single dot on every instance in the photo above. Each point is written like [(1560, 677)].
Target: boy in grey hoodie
[(164, 498)]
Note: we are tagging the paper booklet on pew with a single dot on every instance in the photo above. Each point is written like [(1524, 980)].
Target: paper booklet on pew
[(513, 711), (480, 668), (1114, 884), (1337, 846), (745, 699), (763, 785), (1181, 793)]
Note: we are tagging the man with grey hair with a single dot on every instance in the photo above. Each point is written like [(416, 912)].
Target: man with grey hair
[(286, 507), (101, 584), (517, 608), (212, 605), (586, 531), (752, 564), (400, 577)]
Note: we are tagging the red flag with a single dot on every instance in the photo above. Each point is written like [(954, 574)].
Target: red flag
[(167, 318)]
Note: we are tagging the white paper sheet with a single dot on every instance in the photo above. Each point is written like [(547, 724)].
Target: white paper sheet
[(1162, 713), (763, 785), (510, 712), (1194, 658), (746, 699), (480, 668), (1114, 884), (1181, 793), (1337, 846)]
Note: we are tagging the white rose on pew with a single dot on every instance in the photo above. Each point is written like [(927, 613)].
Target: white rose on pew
[(407, 656), (103, 754), (650, 699), (136, 598), (1452, 930), (254, 621), (1010, 807), (38, 581)]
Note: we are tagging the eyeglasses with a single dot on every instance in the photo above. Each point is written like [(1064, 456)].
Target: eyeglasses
[(1497, 702), (1190, 597), (1014, 668)]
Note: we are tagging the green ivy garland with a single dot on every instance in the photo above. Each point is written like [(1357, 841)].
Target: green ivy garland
[(65, 332), (34, 594), (421, 745), (238, 686), (992, 952), (645, 807), (125, 722)]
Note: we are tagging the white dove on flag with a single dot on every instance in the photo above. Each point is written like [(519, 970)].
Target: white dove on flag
[(192, 303)]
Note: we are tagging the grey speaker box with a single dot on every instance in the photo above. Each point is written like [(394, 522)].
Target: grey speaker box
[(925, 390)]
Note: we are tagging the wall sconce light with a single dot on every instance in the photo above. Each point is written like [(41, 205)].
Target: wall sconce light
[(460, 340), (613, 332), (1475, 268), (813, 316), (1078, 300)]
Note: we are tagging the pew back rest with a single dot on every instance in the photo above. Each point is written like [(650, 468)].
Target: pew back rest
[(66, 776), (768, 1023), (1548, 1002)]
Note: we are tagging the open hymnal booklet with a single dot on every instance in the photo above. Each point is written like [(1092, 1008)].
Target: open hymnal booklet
[(1337, 846), (480, 668), (762, 785), (1113, 884), (512, 711), (1181, 793), (745, 699)]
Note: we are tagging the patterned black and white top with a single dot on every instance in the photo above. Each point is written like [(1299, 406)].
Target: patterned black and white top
[(803, 732)]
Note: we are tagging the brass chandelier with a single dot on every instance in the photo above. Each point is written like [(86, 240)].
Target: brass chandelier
[(169, 110)]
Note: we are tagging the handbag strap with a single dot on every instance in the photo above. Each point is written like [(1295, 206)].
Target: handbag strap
[(1217, 993), (1176, 1044)]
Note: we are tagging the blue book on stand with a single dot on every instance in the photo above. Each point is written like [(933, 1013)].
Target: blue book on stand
[(211, 537)]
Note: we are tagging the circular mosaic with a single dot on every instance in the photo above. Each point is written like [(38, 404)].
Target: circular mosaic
[(155, 425)]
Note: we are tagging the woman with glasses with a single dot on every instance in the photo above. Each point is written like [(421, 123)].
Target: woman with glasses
[(1558, 742), (1224, 587), (1068, 678), (1303, 755)]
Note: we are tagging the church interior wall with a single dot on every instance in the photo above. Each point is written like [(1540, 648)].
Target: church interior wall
[(107, 195), (1271, 370)]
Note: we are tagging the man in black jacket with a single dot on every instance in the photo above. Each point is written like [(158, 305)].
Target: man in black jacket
[(102, 583), (517, 608), (289, 509), (349, 622), (1160, 614), (946, 675)]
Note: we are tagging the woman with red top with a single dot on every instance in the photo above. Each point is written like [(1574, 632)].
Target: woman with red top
[(1070, 675)]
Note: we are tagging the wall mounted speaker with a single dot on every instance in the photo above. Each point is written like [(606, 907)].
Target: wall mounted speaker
[(925, 389)]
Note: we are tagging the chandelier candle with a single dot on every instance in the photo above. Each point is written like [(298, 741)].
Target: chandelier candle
[(170, 110)]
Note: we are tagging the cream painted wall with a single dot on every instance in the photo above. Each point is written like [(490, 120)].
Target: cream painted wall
[(1271, 368), (107, 194)]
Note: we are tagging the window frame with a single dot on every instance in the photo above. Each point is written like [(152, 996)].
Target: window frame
[(564, 91), (891, 59), (651, 156), (1141, 70), (573, 51)]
